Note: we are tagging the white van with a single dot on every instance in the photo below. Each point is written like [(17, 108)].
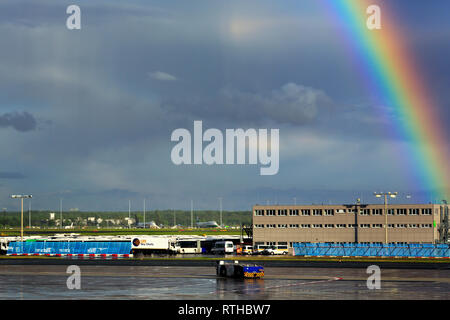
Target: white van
[(247, 250), (281, 249), (223, 247), (258, 249)]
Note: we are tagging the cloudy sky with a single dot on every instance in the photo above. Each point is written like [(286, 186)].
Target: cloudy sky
[(87, 115)]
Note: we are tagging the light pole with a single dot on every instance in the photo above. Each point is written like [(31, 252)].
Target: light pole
[(144, 213), (220, 202), (129, 214), (60, 213), (385, 194), (192, 214), (29, 214), (21, 197)]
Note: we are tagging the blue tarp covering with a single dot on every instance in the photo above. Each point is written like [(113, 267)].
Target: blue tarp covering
[(372, 250), (69, 247)]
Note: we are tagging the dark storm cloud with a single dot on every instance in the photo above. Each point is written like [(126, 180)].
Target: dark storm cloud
[(291, 104), (49, 12), (20, 121), (11, 175)]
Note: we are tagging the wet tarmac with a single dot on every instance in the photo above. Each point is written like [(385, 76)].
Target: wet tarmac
[(201, 283)]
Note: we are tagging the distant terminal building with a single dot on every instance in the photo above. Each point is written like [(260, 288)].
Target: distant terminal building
[(355, 223)]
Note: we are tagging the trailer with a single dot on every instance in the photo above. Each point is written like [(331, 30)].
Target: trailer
[(234, 269), (155, 244)]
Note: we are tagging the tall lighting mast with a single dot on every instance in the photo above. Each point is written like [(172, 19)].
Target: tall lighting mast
[(385, 194), (21, 197)]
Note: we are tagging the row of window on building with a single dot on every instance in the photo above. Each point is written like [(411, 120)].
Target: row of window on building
[(332, 212), (283, 243), (341, 225)]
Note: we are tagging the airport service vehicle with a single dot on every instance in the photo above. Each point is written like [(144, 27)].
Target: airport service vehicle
[(234, 269), (191, 245), (223, 247), (247, 250), (272, 250), (258, 249), (155, 244)]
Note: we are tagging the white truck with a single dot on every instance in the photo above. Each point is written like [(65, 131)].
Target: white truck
[(154, 244)]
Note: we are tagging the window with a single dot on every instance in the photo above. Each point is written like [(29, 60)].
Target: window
[(364, 225), (282, 243), (270, 243), (271, 226), (329, 212), (352, 225), (391, 225), (293, 212), (401, 225), (365, 212), (282, 212), (282, 226), (401, 212), (329, 225), (413, 225), (341, 225), (377, 225), (426, 225), (414, 212), (293, 226), (259, 212), (306, 212), (305, 226), (427, 211), (270, 212), (317, 212), (317, 226), (340, 210), (377, 212), (391, 212), (259, 226)]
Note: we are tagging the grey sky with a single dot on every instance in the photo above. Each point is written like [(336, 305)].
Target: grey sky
[(86, 115)]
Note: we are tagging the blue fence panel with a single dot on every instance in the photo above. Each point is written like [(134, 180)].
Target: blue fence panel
[(69, 247), (39, 247), (376, 250), (125, 247)]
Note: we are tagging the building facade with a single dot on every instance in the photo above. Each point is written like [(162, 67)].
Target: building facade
[(284, 225)]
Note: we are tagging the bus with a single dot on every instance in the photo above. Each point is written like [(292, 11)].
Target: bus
[(190, 246)]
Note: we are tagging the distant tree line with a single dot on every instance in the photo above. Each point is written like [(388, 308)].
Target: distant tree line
[(166, 218)]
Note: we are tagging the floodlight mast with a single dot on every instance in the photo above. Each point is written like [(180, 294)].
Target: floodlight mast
[(21, 197), (385, 194)]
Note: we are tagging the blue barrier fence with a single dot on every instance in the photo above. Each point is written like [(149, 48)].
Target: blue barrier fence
[(69, 247), (372, 250)]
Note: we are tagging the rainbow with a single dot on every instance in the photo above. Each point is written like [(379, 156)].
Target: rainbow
[(397, 81)]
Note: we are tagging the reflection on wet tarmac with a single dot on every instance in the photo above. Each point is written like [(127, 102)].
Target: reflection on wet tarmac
[(122, 282)]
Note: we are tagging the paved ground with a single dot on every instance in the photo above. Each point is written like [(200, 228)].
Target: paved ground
[(171, 282)]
